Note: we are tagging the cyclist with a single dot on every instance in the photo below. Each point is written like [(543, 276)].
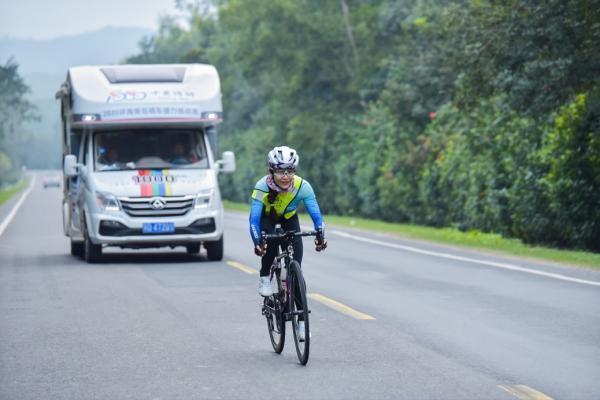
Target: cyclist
[(275, 200)]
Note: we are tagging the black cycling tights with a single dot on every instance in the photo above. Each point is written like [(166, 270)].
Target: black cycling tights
[(292, 224)]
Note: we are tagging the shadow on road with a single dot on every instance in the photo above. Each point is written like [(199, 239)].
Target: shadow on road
[(142, 257), (129, 257), (145, 257)]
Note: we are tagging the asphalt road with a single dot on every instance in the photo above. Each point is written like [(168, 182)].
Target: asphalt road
[(437, 322)]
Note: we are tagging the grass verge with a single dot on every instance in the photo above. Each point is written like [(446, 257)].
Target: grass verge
[(8, 192), (471, 239)]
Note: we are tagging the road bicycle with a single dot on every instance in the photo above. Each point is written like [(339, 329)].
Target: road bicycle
[(288, 284)]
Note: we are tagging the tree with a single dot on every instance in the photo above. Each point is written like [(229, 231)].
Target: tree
[(14, 110), (537, 52), (476, 114)]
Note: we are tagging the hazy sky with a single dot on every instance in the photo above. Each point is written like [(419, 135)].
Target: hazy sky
[(45, 19)]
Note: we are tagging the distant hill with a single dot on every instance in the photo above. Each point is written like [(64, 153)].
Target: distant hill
[(43, 65)]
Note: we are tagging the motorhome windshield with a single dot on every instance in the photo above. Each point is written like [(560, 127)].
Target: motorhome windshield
[(149, 149)]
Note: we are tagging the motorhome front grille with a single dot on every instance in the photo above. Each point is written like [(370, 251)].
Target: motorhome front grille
[(157, 206)]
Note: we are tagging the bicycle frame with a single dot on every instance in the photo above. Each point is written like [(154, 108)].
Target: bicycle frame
[(288, 301), (280, 264), (287, 256)]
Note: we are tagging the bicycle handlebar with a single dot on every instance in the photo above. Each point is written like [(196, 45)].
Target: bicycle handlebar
[(286, 235)]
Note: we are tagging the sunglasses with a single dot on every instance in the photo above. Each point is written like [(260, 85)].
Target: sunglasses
[(282, 172)]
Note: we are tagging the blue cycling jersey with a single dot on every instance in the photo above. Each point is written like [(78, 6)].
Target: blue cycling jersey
[(285, 204)]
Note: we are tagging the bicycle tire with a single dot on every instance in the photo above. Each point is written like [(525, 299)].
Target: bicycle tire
[(298, 284), (275, 321)]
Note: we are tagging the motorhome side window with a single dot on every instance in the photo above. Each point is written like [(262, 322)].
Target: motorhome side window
[(149, 149)]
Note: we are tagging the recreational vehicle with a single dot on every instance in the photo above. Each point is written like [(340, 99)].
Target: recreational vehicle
[(139, 158)]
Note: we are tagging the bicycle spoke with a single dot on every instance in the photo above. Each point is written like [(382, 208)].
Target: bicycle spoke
[(299, 313), (273, 311)]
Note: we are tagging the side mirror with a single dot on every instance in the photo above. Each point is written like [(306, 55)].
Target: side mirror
[(70, 166), (227, 164)]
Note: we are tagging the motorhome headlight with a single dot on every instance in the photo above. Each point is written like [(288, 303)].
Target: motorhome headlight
[(204, 198), (107, 202), (88, 117)]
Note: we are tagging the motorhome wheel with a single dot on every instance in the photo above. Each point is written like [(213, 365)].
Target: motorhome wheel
[(92, 252), (214, 250), (77, 249)]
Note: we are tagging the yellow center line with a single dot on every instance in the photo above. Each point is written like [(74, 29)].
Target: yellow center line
[(242, 267), (336, 305), (524, 392)]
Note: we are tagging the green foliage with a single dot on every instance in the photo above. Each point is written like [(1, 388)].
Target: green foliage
[(174, 44), (475, 168), (539, 53), (572, 152), (359, 147), (7, 192), (5, 164), (251, 161), (477, 115), (14, 110)]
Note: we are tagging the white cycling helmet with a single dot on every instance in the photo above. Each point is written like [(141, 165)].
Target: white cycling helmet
[(283, 157)]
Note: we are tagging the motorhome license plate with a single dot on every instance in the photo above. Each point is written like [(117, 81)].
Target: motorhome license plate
[(158, 227)]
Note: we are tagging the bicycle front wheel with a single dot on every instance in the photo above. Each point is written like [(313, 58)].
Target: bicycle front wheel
[(273, 308), (299, 312)]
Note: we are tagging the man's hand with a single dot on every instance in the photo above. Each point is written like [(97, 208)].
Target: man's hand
[(320, 242), (260, 250)]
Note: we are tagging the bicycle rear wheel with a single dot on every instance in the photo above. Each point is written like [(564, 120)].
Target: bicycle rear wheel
[(299, 312), (273, 310)]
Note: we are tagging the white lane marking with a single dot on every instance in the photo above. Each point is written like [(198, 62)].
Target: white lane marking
[(13, 212), (466, 259)]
